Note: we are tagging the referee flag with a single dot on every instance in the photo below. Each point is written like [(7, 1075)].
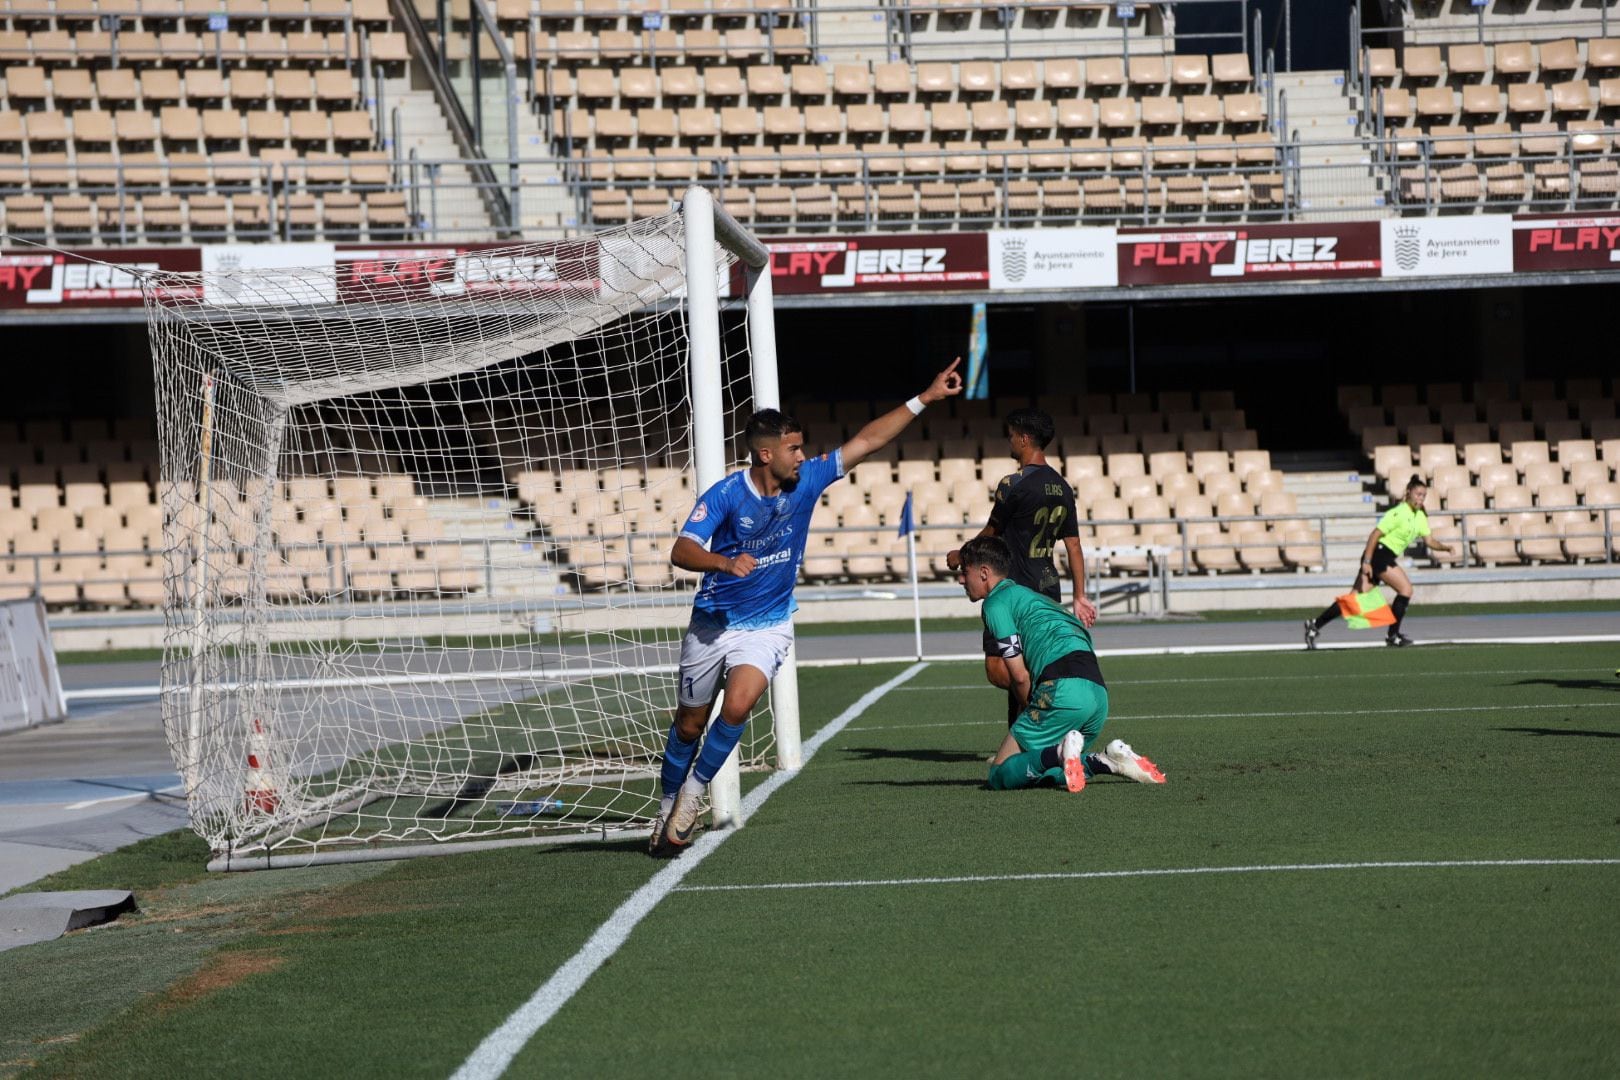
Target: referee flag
[(1363, 610)]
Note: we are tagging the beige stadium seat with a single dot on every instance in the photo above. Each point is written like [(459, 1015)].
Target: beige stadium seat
[(1231, 69), (1494, 476), (1389, 462), (855, 81), (1527, 99), (1105, 71), (1257, 545), (1494, 543), (1148, 73), (1574, 96), (1586, 475), (1581, 534), (1061, 78)]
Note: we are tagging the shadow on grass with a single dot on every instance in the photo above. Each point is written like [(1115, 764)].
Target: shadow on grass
[(1539, 731), (1574, 684), (476, 787), (938, 757)]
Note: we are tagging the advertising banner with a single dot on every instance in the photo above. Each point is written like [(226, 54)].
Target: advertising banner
[(1053, 259), (268, 274), (384, 272), (869, 264), (1566, 242), (1447, 247), (30, 687), (1326, 250), (83, 278)]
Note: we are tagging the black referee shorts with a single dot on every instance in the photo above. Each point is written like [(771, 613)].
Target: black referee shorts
[(1382, 560)]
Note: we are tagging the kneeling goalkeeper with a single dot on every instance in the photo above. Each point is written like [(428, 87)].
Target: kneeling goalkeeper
[(1064, 705)]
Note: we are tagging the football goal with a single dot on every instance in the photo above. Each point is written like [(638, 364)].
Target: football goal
[(418, 506)]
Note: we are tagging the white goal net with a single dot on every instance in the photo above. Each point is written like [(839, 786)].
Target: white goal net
[(417, 517)]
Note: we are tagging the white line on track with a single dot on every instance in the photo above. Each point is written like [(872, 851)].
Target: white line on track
[(498, 1049), (1182, 871), (1268, 715), (86, 803)]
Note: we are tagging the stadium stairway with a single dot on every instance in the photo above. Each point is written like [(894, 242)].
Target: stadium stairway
[(1322, 111), (847, 37), (1330, 483), (425, 129)]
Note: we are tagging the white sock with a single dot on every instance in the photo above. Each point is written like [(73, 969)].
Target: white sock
[(694, 787), (665, 805)]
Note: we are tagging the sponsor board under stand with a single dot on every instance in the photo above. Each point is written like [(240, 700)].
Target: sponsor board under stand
[(1566, 242), (85, 278), (1447, 247), (1248, 253), (944, 263), (419, 271), (1053, 259), (273, 275)]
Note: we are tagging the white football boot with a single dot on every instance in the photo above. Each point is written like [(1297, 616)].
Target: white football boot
[(1127, 762)]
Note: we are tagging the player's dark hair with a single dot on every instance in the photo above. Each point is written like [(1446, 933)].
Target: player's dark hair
[(768, 424), (991, 551), (1032, 422), (1416, 481)]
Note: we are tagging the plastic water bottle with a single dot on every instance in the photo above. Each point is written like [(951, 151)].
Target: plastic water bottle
[(531, 809)]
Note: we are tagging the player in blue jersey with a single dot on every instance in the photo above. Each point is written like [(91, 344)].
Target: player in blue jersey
[(746, 536)]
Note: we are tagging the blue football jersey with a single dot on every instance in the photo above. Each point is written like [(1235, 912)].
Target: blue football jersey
[(731, 518)]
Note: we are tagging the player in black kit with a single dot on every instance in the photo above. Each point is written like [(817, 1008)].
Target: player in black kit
[(1032, 510)]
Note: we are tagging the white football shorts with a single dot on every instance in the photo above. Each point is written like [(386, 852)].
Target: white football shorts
[(710, 649)]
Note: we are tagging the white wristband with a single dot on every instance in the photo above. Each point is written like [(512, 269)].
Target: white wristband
[(916, 406)]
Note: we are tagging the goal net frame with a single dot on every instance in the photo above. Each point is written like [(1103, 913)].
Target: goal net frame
[(197, 430)]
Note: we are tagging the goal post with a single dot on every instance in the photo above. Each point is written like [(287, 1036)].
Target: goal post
[(417, 510)]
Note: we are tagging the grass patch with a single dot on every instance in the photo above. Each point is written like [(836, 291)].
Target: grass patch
[(1340, 757)]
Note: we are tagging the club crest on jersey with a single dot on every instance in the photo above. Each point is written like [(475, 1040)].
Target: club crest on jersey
[(701, 512)]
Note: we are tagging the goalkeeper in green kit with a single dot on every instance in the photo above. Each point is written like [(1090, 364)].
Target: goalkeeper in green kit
[(1055, 677)]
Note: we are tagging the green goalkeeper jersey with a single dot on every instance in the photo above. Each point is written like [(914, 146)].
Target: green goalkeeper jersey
[(1025, 623)]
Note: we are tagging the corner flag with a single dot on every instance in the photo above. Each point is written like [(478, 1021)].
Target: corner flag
[(1363, 610), (907, 525)]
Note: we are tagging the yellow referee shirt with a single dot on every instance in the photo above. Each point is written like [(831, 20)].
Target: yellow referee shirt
[(1401, 525)]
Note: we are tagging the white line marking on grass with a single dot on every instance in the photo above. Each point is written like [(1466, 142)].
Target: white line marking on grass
[(1085, 875), (1269, 715), (498, 1049), (1319, 677)]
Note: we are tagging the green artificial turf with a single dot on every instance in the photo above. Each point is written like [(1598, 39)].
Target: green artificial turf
[(1275, 761)]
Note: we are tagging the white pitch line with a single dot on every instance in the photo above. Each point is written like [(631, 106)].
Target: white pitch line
[(1269, 715), (498, 1049), (1182, 871), (1318, 677)]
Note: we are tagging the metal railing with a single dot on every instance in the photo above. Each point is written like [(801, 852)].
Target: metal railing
[(1438, 31), (1393, 171), (1116, 551), (1022, 28)]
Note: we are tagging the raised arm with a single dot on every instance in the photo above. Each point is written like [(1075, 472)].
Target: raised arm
[(886, 428)]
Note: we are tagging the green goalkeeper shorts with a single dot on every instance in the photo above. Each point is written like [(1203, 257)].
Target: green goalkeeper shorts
[(1057, 707)]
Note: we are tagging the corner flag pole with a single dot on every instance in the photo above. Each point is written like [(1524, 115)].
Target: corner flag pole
[(908, 529)]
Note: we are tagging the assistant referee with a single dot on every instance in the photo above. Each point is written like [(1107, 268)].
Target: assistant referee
[(1401, 524)]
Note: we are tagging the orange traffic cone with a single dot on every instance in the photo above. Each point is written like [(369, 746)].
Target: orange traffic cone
[(260, 791)]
